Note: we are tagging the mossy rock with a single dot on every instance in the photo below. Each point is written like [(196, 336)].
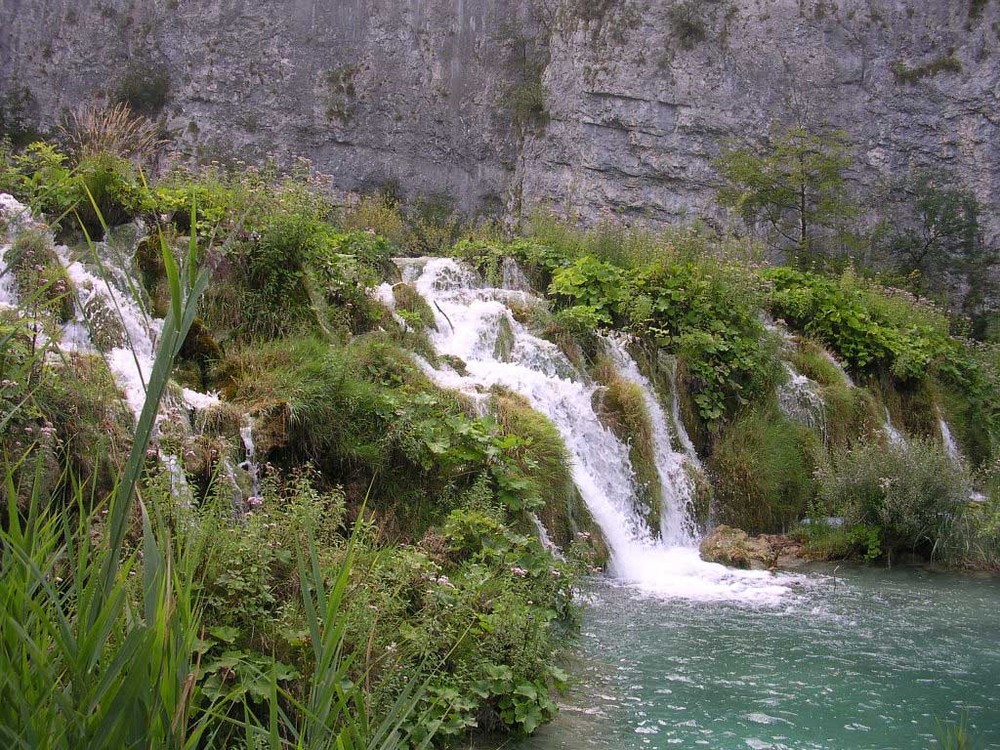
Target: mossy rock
[(201, 350), (546, 463), (621, 407), (504, 347), (106, 329), (409, 300), (736, 549), (148, 260), (41, 280)]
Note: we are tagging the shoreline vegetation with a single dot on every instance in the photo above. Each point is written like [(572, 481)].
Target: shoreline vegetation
[(288, 536)]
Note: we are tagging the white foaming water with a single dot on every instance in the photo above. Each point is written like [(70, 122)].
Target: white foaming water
[(132, 362), (676, 526), (848, 380), (799, 399), (949, 441), (250, 464), (470, 318), (675, 414), (895, 436)]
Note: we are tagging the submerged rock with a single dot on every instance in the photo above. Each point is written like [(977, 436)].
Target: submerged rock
[(737, 549)]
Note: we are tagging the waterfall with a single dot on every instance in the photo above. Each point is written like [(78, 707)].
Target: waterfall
[(250, 464), (470, 317), (895, 436), (800, 400), (677, 525), (848, 380), (949, 441), (111, 321)]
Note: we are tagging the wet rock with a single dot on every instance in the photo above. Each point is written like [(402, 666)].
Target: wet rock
[(737, 549)]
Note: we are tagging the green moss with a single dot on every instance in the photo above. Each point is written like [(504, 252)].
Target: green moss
[(911, 405), (505, 340), (564, 515), (943, 64), (148, 259), (409, 300), (762, 472), (41, 280)]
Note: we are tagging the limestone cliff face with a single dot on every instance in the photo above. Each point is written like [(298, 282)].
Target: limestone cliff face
[(639, 94)]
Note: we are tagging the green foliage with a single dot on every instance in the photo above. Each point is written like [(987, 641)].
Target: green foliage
[(870, 328), (908, 492), (762, 472), (935, 242), (707, 312), (593, 284), (824, 541), (101, 190), (793, 186), (39, 176)]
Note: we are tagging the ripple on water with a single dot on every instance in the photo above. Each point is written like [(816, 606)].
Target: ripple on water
[(865, 659)]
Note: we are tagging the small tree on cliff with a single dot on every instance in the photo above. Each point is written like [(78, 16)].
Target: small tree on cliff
[(791, 186)]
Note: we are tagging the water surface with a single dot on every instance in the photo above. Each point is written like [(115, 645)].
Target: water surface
[(850, 658)]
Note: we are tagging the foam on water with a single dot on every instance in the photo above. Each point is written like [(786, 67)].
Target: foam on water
[(132, 362), (471, 318)]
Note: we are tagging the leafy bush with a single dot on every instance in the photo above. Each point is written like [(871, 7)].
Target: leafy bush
[(871, 329), (707, 312), (910, 493)]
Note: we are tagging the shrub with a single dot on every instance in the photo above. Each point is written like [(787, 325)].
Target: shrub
[(117, 131), (908, 492), (144, 87), (870, 328)]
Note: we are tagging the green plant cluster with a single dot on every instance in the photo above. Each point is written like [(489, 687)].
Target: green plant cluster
[(910, 496), (868, 327), (96, 191)]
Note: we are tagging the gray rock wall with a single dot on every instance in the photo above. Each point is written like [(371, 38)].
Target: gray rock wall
[(415, 91)]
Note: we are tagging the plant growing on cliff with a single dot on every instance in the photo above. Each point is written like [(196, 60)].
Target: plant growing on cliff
[(524, 62), (688, 24), (792, 186)]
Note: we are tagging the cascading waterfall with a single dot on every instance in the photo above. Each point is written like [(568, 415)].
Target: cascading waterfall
[(675, 415), (800, 400), (954, 453), (249, 465), (105, 298), (470, 320), (891, 432), (677, 526)]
